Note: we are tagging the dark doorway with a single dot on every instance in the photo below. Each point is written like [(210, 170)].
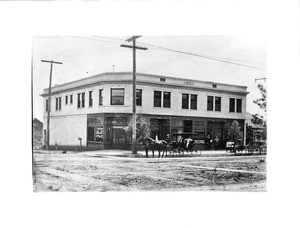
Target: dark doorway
[(159, 128), (116, 137), (188, 126)]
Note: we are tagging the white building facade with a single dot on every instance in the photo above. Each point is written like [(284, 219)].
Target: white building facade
[(98, 109)]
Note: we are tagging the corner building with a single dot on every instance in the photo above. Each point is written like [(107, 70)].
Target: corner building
[(98, 110)]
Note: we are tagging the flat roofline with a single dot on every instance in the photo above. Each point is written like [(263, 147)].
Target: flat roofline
[(144, 74)]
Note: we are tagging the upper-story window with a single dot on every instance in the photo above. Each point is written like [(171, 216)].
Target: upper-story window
[(90, 98), (189, 101), (139, 97), (214, 103), (217, 103), (71, 99), (193, 101), (231, 105), (157, 98), (58, 103), (66, 100), (185, 101), (210, 103), (100, 96), (238, 105), (162, 79), (167, 100), (117, 97), (235, 105), (80, 100), (47, 104)]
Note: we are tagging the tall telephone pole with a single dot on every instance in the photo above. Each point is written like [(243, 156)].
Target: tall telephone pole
[(134, 47), (49, 99)]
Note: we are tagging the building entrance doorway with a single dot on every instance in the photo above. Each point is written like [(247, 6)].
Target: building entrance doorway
[(159, 128), (116, 136), (187, 126)]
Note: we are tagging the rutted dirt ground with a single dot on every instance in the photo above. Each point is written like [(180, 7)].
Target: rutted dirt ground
[(86, 172)]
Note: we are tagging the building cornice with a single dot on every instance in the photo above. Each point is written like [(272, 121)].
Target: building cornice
[(146, 83)]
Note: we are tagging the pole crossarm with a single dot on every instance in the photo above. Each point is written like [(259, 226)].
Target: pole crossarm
[(47, 61), (136, 47), (132, 38), (257, 79)]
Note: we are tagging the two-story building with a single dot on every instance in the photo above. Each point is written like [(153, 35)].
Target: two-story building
[(98, 109)]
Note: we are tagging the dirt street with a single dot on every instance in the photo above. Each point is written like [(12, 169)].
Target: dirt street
[(92, 171)]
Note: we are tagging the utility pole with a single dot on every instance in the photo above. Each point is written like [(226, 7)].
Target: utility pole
[(49, 99), (134, 47)]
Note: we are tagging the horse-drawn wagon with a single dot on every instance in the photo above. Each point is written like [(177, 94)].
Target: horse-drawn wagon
[(184, 142)]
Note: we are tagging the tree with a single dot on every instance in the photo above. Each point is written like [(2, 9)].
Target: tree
[(249, 134), (142, 127), (234, 132), (262, 102)]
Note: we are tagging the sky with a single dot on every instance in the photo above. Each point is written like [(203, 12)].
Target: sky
[(87, 56)]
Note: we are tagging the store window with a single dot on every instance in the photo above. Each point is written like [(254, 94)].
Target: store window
[(117, 97)]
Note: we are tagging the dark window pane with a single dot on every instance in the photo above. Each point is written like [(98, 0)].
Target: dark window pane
[(117, 96), (78, 100), (90, 134), (231, 105), (167, 100), (217, 103), (56, 103), (117, 92), (90, 98), (60, 103), (71, 99), (82, 100), (210, 103), (139, 97), (185, 101), (47, 104), (238, 105), (193, 101), (157, 98), (66, 100), (100, 96)]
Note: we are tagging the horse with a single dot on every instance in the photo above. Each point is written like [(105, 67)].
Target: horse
[(152, 144)]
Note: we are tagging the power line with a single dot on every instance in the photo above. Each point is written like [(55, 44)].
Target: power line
[(181, 52), (169, 49)]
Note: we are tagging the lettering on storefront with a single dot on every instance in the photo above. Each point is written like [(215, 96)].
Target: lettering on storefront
[(99, 134), (189, 83)]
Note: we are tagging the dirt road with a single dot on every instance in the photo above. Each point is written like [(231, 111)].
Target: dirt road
[(92, 171)]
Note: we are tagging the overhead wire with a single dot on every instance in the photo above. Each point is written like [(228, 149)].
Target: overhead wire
[(224, 60)]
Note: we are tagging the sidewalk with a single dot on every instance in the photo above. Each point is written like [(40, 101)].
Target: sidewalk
[(128, 153)]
